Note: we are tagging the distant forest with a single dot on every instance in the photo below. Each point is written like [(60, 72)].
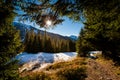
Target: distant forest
[(37, 42)]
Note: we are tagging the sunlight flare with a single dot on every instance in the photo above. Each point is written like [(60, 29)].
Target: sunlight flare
[(48, 22)]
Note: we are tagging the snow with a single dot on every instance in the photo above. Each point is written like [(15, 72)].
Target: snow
[(95, 52), (41, 59), (45, 57), (73, 37)]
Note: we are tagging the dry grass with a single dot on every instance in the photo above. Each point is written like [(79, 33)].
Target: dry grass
[(71, 70), (77, 69), (111, 65), (102, 69), (75, 62)]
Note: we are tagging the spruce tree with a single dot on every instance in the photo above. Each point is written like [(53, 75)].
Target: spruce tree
[(102, 26), (10, 42), (40, 40)]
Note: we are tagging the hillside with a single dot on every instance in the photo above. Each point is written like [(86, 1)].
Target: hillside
[(24, 27), (71, 69), (40, 60), (36, 40)]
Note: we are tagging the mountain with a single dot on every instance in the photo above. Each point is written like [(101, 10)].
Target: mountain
[(73, 37), (24, 27)]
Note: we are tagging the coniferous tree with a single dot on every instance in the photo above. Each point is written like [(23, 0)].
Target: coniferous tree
[(72, 46), (49, 47), (26, 40), (10, 42), (32, 38), (82, 45), (37, 43), (101, 27)]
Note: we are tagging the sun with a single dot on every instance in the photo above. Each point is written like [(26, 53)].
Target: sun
[(48, 22)]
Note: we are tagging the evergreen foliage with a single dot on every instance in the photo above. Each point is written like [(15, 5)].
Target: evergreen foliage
[(9, 42), (101, 31), (36, 42), (53, 10)]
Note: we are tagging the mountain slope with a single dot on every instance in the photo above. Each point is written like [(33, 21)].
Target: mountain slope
[(23, 28)]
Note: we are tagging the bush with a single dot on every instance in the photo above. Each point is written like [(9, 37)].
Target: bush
[(72, 73), (58, 65), (77, 61), (39, 76)]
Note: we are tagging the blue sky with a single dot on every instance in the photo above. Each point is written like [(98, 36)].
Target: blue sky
[(67, 28)]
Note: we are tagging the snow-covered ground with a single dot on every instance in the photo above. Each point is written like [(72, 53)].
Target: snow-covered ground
[(42, 59)]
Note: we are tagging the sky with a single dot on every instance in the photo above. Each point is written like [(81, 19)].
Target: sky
[(67, 28)]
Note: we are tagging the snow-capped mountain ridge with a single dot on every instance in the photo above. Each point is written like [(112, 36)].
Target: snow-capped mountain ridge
[(73, 37)]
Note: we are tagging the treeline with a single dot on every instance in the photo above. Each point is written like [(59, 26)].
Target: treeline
[(37, 42)]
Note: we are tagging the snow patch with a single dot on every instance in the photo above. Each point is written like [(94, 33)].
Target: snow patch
[(41, 60)]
